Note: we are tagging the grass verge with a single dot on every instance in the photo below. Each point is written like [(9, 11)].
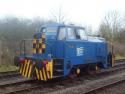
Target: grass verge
[(5, 68), (119, 57)]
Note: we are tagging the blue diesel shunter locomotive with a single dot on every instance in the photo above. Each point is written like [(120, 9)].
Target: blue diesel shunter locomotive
[(59, 50)]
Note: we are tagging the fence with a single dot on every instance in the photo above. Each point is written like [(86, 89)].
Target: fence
[(8, 49)]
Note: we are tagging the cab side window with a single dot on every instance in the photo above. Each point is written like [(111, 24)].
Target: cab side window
[(62, 33), (80, 33), (71, 33)]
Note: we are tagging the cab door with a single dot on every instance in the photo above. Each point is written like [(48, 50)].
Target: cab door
[(74, 46), (71, 43), (60, 43)]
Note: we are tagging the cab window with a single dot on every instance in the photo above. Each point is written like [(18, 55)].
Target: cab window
[(62, 33), (71, 33), (80, 33), (50, 32)]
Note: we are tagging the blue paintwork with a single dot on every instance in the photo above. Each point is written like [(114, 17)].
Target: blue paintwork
[(93, 50)]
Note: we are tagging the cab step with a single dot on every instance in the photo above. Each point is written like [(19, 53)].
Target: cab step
[(58, 67)]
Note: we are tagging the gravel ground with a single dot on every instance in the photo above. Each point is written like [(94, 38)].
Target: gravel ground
[(87, 86), (12, 80), (18, 85), (79, 85), (118, 89), (14, 87)]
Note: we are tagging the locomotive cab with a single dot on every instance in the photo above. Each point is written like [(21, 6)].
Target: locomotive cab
[(58, 50)]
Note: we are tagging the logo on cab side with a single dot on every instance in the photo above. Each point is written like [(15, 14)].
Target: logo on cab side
[(80, 51)]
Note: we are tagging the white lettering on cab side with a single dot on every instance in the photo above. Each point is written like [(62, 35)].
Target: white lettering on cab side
[(79, 51)]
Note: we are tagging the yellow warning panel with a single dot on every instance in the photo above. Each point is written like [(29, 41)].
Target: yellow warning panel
[(34, 41), (43, 46)]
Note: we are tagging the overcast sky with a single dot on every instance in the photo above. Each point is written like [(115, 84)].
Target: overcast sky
[(88, 12)]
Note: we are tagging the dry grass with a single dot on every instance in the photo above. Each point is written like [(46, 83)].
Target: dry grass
[(5, 68)]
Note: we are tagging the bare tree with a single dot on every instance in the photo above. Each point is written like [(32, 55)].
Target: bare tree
[(110, 25), (111, 29), (58, 15)]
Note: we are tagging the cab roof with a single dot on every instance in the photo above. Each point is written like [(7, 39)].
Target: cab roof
[(61, 25)]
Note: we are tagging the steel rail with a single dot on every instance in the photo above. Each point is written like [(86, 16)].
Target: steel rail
[(92, 91)]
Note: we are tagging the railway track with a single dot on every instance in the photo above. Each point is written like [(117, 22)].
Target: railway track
[(93, 87), (95, 90), (30, 85), (119, 60), (12, 87), (9, 74), (51, 86)]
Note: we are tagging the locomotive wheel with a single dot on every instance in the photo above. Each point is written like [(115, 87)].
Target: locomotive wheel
[(91, 70), (75, 73), (78, 71), (72, 76)]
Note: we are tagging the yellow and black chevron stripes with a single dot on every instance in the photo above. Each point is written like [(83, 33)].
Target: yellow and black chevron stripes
[(45, 73), (37, 74), (30, 70), (41, 76), (26, 68)]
